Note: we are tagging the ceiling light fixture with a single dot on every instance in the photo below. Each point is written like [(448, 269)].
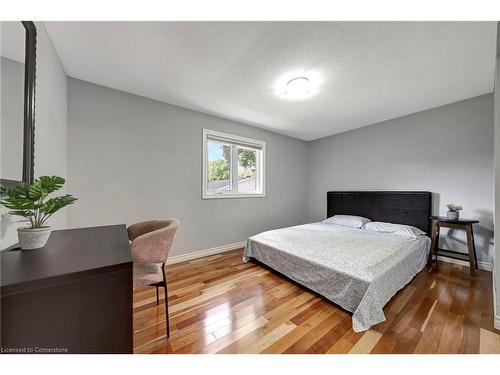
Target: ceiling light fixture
[(299, 84), (298, 88)]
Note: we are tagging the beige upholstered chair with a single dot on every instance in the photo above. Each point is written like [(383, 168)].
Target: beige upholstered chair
[(150, 246)]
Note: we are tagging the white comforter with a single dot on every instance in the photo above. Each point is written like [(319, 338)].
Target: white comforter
[(356, 269)]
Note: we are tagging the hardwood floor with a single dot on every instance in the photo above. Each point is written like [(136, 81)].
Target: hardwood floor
[(220, 305)]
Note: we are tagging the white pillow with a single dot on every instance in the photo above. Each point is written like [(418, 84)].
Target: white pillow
[(399, 229), (347, 220)]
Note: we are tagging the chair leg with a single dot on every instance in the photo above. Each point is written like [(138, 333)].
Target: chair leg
[(157, 296), (166, 300)]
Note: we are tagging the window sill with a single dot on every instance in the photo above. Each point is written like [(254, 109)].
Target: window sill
[(232, 196)]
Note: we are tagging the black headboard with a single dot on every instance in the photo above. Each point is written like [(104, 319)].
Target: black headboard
[(399, 207)]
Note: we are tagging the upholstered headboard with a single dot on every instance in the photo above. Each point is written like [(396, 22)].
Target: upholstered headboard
[(399, 207)]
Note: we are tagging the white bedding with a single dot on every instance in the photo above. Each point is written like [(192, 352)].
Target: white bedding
[(356, 269)]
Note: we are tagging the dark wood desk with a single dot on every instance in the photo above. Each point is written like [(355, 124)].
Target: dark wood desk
[(74, 295), (439, 222)]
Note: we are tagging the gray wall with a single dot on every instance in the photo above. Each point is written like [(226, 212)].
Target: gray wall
[(123, 144), (12, 112), (447, 150), (496, 270), (51, 122), (133, 159)]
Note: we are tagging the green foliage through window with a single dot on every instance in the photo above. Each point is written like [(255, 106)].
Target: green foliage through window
[(247, 159), (218, 170)]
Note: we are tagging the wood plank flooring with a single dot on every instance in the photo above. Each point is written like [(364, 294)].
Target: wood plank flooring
[(220, 305)]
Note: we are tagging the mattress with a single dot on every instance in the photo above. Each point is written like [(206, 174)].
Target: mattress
[(354, 268)]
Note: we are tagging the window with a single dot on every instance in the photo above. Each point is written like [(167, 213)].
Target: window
[(233, 166)]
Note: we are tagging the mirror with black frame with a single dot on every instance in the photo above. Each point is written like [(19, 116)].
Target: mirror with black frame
[(17, 79)]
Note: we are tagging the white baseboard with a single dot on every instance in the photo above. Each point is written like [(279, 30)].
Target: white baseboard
[(206, 252), (481, 265), (238, 245), (496, 316)]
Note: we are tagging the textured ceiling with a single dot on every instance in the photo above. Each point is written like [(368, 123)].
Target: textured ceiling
[(368, 71)]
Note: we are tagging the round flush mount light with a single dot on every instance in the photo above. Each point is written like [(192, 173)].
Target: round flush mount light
[(298, 88), (298, 85)]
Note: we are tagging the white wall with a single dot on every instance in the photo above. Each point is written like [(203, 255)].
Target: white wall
[(51, 123), (446, 150), (134, 159)]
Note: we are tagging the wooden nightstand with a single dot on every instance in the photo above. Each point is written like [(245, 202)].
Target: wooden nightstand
[(439, 222)]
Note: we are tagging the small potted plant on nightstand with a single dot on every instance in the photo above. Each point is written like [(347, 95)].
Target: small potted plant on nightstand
[(30, 202), (453, 211)]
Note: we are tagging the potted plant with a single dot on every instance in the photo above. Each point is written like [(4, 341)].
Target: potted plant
[(453, 211), (30, 202)]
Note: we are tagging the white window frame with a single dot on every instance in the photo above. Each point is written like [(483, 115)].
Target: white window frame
[(260, 164)]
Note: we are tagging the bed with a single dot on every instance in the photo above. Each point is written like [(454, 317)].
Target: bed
[(356, 269)]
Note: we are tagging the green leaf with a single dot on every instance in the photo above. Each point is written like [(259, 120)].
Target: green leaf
[(29, 202), (19, 190), (18, 203), (45, 185), (55, 204), (23, 213), (52, 183)]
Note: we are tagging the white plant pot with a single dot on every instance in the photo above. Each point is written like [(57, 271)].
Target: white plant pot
[(452, 215), (33, 238)]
